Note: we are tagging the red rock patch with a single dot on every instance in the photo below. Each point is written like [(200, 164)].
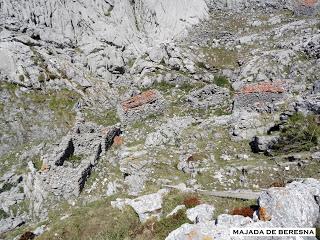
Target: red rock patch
[(309, 3), (264, 87), (118, 140), (139, 100)]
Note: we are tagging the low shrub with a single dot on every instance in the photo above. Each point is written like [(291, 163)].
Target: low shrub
[(191, 201), (27, 236), (245, 211), (3, 214), (278, 183), (299, 134), (222, 81)]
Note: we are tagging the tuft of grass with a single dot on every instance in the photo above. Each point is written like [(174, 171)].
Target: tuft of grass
[(103, 222), (9, 86), (41, 77), (75, 159), (6, 187), (201, 65), (37, 163), (171, 200), (220, 58), (299, 134), (61, 103), (222, 111), (3, 214), (163, 86), (1, 107), (222, 81), (105, 118), (159, 230), (131, 62)]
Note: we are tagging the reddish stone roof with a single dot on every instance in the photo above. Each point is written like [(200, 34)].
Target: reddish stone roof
[(139, 100), (264, 87), (309, 3)]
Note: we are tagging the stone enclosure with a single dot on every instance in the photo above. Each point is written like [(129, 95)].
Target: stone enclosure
[(140, 106)]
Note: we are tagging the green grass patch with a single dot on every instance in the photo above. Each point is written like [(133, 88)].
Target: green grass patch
[(105, 118), (159, 230), (75, 159), (162, 86), (220, 58), (60, 102), (7, 187), (1, 107), (101, 222), (37, 162), (222, 81), (3, 214), (223, 111), (299, 134), (9, 86)]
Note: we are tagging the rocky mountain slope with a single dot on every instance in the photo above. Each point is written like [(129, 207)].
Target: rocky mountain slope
[(158, 119)]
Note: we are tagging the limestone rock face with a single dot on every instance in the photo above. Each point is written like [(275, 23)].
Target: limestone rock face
[(200, 213), (117, 29), (298, 6), (296, 205), (293, 201), (146, 206)]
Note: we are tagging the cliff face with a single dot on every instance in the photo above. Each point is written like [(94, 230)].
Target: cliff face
[(122, 22)]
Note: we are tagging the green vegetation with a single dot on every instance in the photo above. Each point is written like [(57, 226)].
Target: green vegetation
[(6, 187), (162, 86), (223, 81), (222, 111), (105, 118), (201, 65), (37, 163), (131, 62), (21, 78), (102, 222), (3, 214), (41, 77), (20, 207), (60, 102), (38, 59), (7, 161), (75, 159), (9, 86), (159, 230), (220, 57), (1, 107), (299, 134)]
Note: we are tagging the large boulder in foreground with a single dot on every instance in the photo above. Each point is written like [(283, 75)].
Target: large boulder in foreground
[(146, 206), (296, 205)]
